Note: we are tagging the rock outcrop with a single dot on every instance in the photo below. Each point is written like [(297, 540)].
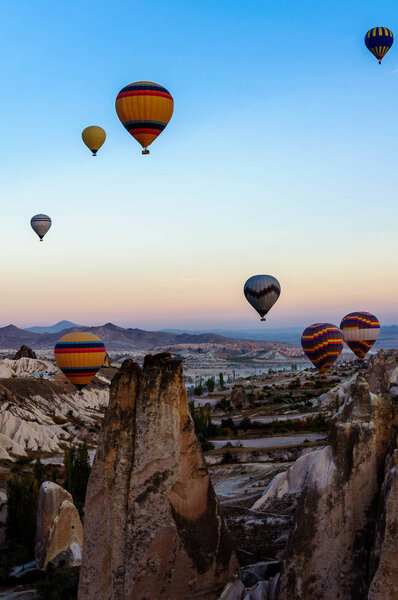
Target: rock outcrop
[(153, 529), (59, 532), (384, 584), (107, 361), (24, 352), (343, 543)]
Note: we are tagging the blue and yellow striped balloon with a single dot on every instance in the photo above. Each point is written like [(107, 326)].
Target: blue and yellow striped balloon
[(79, 355), (322, 344), (378, 41)]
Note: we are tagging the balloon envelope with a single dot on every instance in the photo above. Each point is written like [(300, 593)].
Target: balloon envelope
[(360, 331), (79, 355), (40, 225), (378, 41), (262, 291), (144, 108), (93, 137), (322, 344)]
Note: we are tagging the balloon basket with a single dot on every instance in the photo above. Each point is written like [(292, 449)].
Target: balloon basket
[(145, 151), (262, 319)]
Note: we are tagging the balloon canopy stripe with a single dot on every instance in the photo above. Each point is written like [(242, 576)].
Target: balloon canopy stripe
[(143, 93), (81, 370), (145, 87), (264, 292), (157, 126), (79, 345)]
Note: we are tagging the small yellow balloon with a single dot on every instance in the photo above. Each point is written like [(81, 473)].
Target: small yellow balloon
[(93, 137)]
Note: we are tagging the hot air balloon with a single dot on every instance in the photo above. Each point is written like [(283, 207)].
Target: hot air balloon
[(93, 137), (378, 41), (360, 331), (322, 343), (262, 291), (40, 225), (79, 355), (144, 108)]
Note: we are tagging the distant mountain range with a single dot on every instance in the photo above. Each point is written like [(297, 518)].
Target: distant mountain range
[(52, 328), (118, 338), (387, 340)]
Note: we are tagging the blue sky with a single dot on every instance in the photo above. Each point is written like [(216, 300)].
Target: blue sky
[(281, 157)]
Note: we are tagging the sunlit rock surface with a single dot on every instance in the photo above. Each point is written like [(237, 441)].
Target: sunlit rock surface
[(153, 529), (59, 532)]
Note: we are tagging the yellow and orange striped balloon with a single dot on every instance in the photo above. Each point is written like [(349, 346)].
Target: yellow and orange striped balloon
[(79, 355), (144, 108)]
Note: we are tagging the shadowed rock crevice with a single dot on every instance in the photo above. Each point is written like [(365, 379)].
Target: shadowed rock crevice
[(153, 529)]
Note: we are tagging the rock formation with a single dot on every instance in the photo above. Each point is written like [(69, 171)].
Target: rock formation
[(107, 361), (153, 529), (328, 548), (24, 352), (344, 540), (59, 532), (384, 584)]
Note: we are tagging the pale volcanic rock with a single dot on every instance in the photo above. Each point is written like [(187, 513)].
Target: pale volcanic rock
[(313, 469), (384, 585), (327, 552), (59, 532), (26, 367), (153, 529), (20, 435)]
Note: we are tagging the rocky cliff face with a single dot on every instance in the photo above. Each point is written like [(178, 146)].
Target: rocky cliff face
[(153, 529), (344, 541)]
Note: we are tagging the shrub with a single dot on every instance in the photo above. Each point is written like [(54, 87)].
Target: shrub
[(58, 420), (60, 584), (22, 501)]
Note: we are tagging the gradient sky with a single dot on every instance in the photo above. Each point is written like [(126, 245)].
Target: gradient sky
[(281, 158)]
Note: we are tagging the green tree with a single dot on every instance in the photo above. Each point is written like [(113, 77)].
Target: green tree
[(39, 471), (210, 384), (221, 381), (198, 389), (77, 472), (245, 423), (22, 501), (204, 427)]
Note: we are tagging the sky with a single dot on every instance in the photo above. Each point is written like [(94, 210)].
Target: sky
[(280, 158)]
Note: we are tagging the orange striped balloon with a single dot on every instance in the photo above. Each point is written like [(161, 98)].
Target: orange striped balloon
[(79, 355), (144, 108)]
